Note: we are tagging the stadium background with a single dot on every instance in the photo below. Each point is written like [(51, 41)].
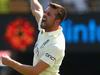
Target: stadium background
[(18, 32)]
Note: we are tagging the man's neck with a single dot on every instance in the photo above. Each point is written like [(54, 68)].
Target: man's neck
[(52, 29)]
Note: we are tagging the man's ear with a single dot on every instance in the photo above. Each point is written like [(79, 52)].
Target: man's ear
[(57, 22)]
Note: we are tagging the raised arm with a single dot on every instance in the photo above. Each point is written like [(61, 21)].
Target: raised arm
[(37, 10)]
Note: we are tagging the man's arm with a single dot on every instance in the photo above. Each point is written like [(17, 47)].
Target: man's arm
[(25, 69), (37, 9)]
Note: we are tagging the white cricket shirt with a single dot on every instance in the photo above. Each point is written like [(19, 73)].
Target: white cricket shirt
[(50, 48)]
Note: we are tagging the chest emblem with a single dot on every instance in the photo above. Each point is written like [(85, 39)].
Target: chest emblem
[(44, 43)]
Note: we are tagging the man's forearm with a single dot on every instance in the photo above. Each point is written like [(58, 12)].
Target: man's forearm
[(35, 5), (23, 69), (37, 10)]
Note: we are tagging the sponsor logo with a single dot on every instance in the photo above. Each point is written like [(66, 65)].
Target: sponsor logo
[(50, 56), (80, 32)]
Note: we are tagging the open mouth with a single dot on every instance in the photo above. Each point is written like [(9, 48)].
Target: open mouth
[(44, 19), (43, 22)]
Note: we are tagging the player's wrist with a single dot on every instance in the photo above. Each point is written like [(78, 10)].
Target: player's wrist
[(1, 63)]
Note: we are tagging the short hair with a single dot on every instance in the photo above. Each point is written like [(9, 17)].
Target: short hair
[(60, 11)]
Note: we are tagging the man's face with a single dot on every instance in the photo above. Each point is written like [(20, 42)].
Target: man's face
[(49, 18)]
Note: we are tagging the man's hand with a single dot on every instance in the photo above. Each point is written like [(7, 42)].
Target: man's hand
[(4, 56), (5, 60)]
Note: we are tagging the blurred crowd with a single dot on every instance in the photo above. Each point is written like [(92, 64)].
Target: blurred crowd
[(78, 6), (72, 6), (14, 6)]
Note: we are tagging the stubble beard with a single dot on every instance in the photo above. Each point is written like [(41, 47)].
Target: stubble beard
[(43, 25)]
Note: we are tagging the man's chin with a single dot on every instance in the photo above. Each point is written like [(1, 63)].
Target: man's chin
[(43, 26)]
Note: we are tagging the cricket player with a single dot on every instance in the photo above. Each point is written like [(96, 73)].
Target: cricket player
[(49, 49)]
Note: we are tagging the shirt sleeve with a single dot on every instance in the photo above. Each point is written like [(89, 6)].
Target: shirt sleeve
[(51, 55)]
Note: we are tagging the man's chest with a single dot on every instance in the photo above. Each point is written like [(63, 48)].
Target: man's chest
[(41, 46)]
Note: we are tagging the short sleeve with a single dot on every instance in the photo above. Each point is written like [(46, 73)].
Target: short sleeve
[(51, 55)]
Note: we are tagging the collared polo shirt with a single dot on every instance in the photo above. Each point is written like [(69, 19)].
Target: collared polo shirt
[(50, 48)]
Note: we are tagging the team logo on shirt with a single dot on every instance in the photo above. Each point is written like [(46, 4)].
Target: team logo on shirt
[(50, 56)]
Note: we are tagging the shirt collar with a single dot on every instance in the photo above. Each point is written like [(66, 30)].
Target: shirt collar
[(54, 32)]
